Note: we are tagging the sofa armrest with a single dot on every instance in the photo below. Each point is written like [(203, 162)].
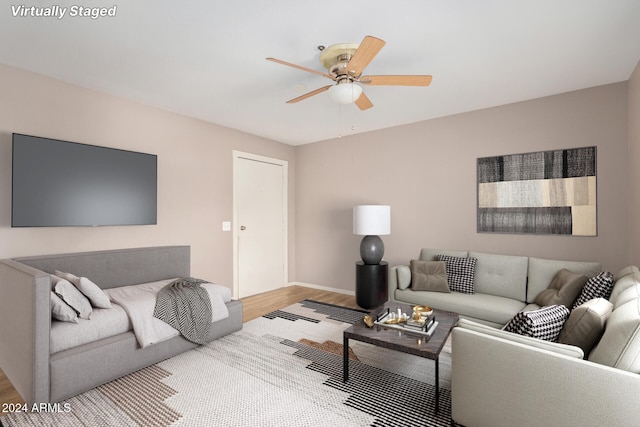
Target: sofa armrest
[(499, 382), (25, 324), (392, 283), (566, 349)]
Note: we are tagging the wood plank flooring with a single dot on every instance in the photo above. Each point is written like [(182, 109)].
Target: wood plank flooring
[(253, 307)]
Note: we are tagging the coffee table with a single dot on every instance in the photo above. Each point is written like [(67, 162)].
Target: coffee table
[(404, 341)]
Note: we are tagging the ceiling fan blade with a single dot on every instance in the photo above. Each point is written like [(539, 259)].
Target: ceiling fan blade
[(396, 80), (300, 67), (309, 94), (363, 102), (365, 53)]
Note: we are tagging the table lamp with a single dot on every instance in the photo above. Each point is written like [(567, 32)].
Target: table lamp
[(371, 221)]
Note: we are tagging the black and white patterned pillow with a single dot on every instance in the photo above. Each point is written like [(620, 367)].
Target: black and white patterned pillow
[(545, 323), (599, 286), (460, 273)]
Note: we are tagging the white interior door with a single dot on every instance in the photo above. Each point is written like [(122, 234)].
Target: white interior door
[(260, 225)]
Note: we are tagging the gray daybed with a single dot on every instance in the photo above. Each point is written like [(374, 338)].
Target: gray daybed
[(25, 321)]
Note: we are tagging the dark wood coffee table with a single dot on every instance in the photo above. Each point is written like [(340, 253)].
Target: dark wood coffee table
[(403, 341)]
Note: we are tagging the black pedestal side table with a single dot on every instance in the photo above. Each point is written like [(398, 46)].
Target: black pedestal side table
[(371, 284)]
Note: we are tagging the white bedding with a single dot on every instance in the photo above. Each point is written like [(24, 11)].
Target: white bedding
[(104, 323), (139, 302)]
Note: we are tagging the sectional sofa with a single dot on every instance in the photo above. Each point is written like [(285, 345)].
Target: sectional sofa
[(504, 379), (42, 374)]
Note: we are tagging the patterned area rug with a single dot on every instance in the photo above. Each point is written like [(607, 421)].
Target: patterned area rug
[(283, 369)]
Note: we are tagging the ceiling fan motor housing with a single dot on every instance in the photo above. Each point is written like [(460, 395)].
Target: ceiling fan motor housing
[(336, 57)]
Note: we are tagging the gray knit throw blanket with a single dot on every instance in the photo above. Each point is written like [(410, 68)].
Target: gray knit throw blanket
[(185, 306)]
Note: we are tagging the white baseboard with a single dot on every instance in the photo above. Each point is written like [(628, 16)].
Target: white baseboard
[(322, 288)]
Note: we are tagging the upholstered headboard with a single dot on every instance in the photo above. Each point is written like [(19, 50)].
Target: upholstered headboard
[(121, 267)]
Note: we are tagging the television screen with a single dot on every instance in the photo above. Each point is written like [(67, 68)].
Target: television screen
[(60, 184)]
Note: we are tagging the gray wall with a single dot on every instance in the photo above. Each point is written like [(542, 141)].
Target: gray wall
[(195, 163), (427, 172)]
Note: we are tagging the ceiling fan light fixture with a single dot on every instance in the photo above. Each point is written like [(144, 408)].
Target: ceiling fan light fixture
[(345, 93)]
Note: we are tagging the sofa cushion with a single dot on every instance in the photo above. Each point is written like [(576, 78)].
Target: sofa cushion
[(622, 284), (619, 346), (72, 296), (545, 323), (598, 286), (542, 271), (61, 311), (403, 275), (460, 273), (429, 276), (484, 307), (586, 323), (501, 275), (563, 289)]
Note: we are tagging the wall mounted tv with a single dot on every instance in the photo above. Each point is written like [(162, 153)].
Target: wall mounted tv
[(65, 184)]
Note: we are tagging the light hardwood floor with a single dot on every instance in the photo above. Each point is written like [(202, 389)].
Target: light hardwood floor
[(253, 307)]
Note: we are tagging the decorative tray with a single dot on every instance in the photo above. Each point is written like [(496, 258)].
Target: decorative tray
[(424, 327)]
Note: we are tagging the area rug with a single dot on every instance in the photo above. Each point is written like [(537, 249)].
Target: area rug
[(283, 369)]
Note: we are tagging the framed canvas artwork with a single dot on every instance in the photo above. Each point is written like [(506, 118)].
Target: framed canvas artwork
[(547, 192)]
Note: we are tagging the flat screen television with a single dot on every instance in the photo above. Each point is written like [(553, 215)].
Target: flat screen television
[(65, 184)]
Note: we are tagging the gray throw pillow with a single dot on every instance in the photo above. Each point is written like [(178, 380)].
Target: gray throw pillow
[(585, 324), (563, 289), (429, 276)]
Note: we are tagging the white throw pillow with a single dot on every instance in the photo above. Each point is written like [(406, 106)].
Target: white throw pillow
[(72, 296), (61, 311), (97, 296), (67, 276)]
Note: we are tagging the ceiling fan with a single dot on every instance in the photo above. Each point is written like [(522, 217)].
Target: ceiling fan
[(345, 63)]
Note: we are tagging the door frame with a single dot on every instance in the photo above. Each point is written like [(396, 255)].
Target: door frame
[(238, 156)]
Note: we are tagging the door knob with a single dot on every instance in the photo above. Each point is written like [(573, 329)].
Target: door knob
[(242, 228)]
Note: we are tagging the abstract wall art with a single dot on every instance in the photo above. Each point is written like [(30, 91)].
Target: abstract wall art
[(547, 192)]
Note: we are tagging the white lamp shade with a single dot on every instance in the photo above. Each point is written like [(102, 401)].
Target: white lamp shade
[(372, 220), (345, 93)]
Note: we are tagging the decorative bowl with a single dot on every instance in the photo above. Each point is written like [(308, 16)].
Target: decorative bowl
[(423, 310)]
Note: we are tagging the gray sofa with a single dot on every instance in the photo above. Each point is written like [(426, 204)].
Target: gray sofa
[(25, 321), (504, 285)]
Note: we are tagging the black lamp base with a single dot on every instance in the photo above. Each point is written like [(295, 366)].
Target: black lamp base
[(371, 284)]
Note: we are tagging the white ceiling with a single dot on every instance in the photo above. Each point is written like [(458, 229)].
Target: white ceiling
[(206, 59)]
